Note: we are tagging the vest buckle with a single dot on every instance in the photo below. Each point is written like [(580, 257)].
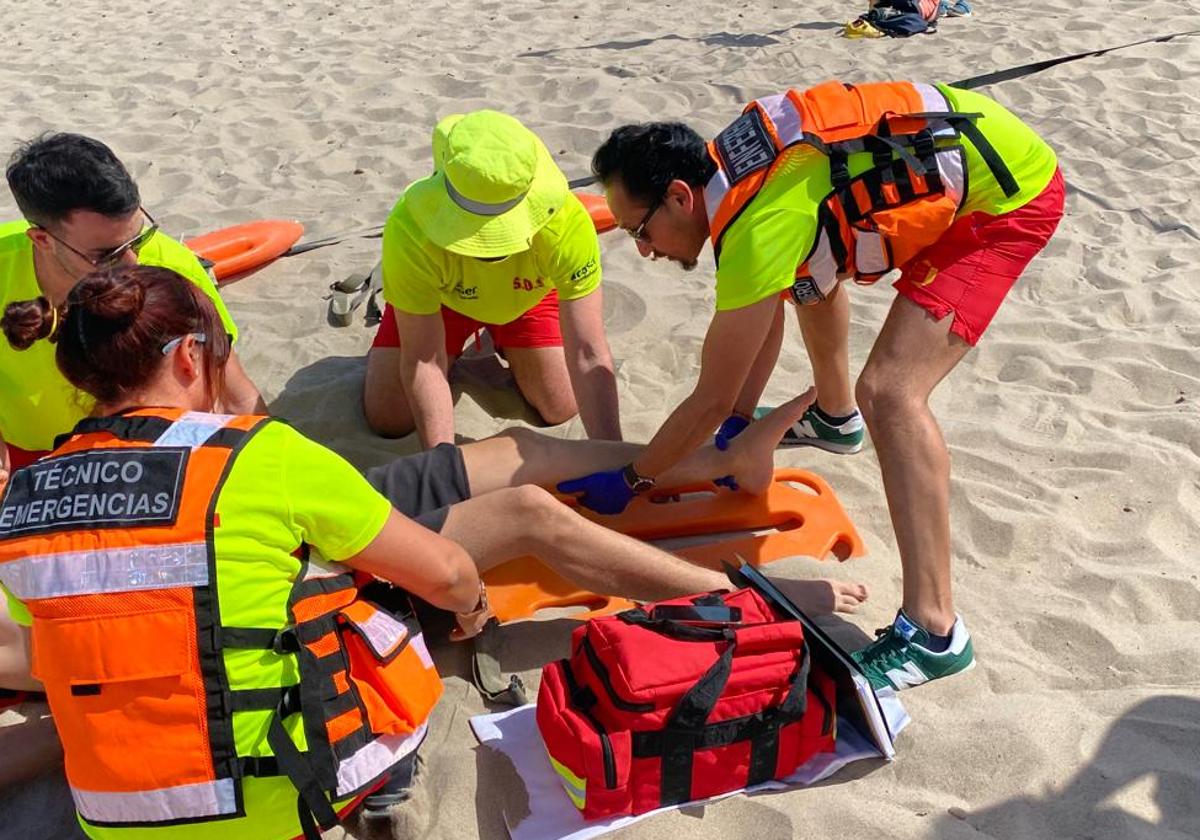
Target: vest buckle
[(286, 641)]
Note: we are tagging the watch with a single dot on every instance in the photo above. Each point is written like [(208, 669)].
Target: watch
[(637, 483)]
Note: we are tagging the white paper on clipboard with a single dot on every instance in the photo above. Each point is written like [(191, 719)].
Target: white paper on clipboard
[(856, 700)]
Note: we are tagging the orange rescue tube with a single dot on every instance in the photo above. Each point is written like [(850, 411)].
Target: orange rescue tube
[(241, 248), (797, 515), (597, 208)]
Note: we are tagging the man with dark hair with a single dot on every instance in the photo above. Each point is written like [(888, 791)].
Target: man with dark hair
[(940, 186), (82, 212)]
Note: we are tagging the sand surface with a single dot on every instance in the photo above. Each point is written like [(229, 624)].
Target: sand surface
[(1073, 428)]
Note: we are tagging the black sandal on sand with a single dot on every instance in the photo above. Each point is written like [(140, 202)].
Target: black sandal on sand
[(395, 791)]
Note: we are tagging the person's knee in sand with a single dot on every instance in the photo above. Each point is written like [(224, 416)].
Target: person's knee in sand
[(792, 217), (492, 241)]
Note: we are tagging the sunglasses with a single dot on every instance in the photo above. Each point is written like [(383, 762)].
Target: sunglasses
[(110, 259), (639, 233)]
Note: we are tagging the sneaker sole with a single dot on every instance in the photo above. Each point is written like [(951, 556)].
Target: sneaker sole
[(828, 446)]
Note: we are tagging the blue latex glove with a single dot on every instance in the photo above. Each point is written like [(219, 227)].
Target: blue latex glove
[(730, 429), (604, 492)]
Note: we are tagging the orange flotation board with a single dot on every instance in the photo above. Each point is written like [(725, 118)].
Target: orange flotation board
[(798, 515), (597, 208), (241, 248)]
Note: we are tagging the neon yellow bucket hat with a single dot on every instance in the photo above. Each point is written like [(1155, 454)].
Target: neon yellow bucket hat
[(494, 186)]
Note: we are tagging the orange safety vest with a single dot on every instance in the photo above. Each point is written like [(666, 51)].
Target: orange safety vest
[(109, 542), (873, 222)]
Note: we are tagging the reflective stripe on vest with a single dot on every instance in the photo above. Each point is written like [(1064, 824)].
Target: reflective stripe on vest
[(194, 801), (889, 120), (383, 632), (108, 541), (365, 765), (97, 571), (193, 429)]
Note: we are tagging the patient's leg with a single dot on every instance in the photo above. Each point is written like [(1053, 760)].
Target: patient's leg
[(514, 521), (522, 456)]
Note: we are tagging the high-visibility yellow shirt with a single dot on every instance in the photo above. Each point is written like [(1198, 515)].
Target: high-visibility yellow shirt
[(275, 498), (37, 403), (420, 277), (764, 245)]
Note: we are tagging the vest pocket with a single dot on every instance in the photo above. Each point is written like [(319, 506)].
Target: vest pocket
[(390, 668), (909, 228), (129, 704)]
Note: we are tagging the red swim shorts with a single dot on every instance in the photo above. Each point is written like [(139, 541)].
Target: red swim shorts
[(536, 328), (970, 269), (18, 457)]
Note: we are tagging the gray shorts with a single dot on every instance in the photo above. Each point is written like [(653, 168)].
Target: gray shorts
[(424, 485)]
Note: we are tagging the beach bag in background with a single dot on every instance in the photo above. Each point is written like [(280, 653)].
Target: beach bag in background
[(901, 18), (682, 700)]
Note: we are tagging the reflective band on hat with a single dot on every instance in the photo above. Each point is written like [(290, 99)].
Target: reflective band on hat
[(107, 570), (202, 799), (482, 208)]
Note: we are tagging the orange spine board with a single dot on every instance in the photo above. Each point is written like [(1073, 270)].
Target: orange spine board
[(799, 510)]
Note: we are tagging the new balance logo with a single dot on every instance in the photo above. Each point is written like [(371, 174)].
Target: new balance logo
[(907, 677)]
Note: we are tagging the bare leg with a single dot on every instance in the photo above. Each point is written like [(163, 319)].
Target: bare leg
[(384, 400), (826, 330), (528, 520), (911, 356), (14, 654), (520, 456), (542, 377)]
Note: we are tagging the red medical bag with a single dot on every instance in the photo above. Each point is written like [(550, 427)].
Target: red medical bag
[(683, 700)]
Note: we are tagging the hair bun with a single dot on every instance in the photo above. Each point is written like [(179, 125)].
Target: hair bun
[(110, 298), (27, 321)]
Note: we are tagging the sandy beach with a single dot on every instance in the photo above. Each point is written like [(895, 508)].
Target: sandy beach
[(1074, 427)]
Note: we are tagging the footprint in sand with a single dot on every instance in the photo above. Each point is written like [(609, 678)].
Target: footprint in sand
[(624, 308)]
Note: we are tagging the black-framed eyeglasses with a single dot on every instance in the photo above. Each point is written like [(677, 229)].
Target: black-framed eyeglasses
[(639, 233), (112, 258)]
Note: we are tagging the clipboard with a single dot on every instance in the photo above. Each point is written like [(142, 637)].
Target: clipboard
[(856, 700)]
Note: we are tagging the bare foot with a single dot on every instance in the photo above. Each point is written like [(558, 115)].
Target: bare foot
[(821, 597), (752, 453)]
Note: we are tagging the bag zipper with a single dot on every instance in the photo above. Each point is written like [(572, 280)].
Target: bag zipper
[(593, 659), (606, 750)]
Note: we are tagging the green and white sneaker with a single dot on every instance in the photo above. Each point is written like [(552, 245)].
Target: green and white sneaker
[(811, 430), (899, 657)]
